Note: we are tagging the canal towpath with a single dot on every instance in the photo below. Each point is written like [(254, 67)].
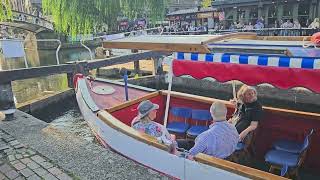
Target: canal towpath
[(32, 149)]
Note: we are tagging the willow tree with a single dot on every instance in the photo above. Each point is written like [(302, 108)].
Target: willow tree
[(81, 16), (206, 3), (5, 10)]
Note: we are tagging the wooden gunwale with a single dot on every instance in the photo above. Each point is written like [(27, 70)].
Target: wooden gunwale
[(131, 102), (244, 35), (123, 128), (201, 158), (208, 100), (235, 168)]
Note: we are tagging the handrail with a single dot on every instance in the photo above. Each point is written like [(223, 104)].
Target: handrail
[(58, 49), (42, 22), (39, 40), (24, 13)]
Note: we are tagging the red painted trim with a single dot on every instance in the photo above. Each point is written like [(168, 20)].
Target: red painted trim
[(283, 78)]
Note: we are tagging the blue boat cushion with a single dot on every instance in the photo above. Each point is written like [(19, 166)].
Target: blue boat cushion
[(240, 146), (284, 170), (289, 146), (201, 115), (181, 112), (282, 158), (196, 130), (178, 127), (292, 146)]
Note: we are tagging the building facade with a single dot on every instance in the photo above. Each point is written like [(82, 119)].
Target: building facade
[(194, 17), (270, 11)]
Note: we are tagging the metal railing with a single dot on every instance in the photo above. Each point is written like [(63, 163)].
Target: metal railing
[(38, 40), (273, 31)]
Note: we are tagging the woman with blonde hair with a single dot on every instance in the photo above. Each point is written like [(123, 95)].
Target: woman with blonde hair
[(248, 111)]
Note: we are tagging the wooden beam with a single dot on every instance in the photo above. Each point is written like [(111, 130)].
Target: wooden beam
[(242, 35), (125, 59), (123, 128), (236, 168), (168, 47), (195, 98), (80, 66), (19, 74), (135, 101), (313, 116)]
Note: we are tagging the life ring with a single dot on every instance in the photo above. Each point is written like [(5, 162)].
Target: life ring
[(315, 39)]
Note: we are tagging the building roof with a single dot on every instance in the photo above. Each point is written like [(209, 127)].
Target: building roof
[(191, 11)]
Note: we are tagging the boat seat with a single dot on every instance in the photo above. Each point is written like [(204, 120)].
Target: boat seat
[(244, 150), (196, 130), (279, 159), (179, 127), (199, 115), (240, 146), (291, 146)]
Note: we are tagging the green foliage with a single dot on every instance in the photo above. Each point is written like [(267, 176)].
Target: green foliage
[(206, 3), (74, 17), (5, 10)]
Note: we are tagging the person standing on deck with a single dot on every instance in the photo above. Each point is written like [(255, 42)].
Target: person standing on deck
[(220, 140), (248, 111)]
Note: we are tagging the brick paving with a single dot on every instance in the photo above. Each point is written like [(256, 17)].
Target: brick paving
[(19, 162)]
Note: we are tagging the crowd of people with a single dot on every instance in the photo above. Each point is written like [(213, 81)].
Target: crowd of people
[(185, 28), (293, 24), (223, 135)]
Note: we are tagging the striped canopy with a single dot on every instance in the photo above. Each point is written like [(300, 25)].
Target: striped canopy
[(280, 71)]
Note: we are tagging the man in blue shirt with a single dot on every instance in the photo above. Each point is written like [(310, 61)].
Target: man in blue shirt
[(221, 139)]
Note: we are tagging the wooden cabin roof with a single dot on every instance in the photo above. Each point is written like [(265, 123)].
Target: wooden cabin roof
[(235, 42), (173, 43)]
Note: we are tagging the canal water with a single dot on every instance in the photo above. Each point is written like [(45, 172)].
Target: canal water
[(65, 115), (29, 89)]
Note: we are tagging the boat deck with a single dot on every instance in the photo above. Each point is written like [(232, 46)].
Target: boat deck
[(118, 97)]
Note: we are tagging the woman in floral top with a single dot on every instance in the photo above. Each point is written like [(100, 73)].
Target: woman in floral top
[(144, 123)]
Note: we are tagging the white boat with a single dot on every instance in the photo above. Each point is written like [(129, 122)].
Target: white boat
[(109, 115)]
